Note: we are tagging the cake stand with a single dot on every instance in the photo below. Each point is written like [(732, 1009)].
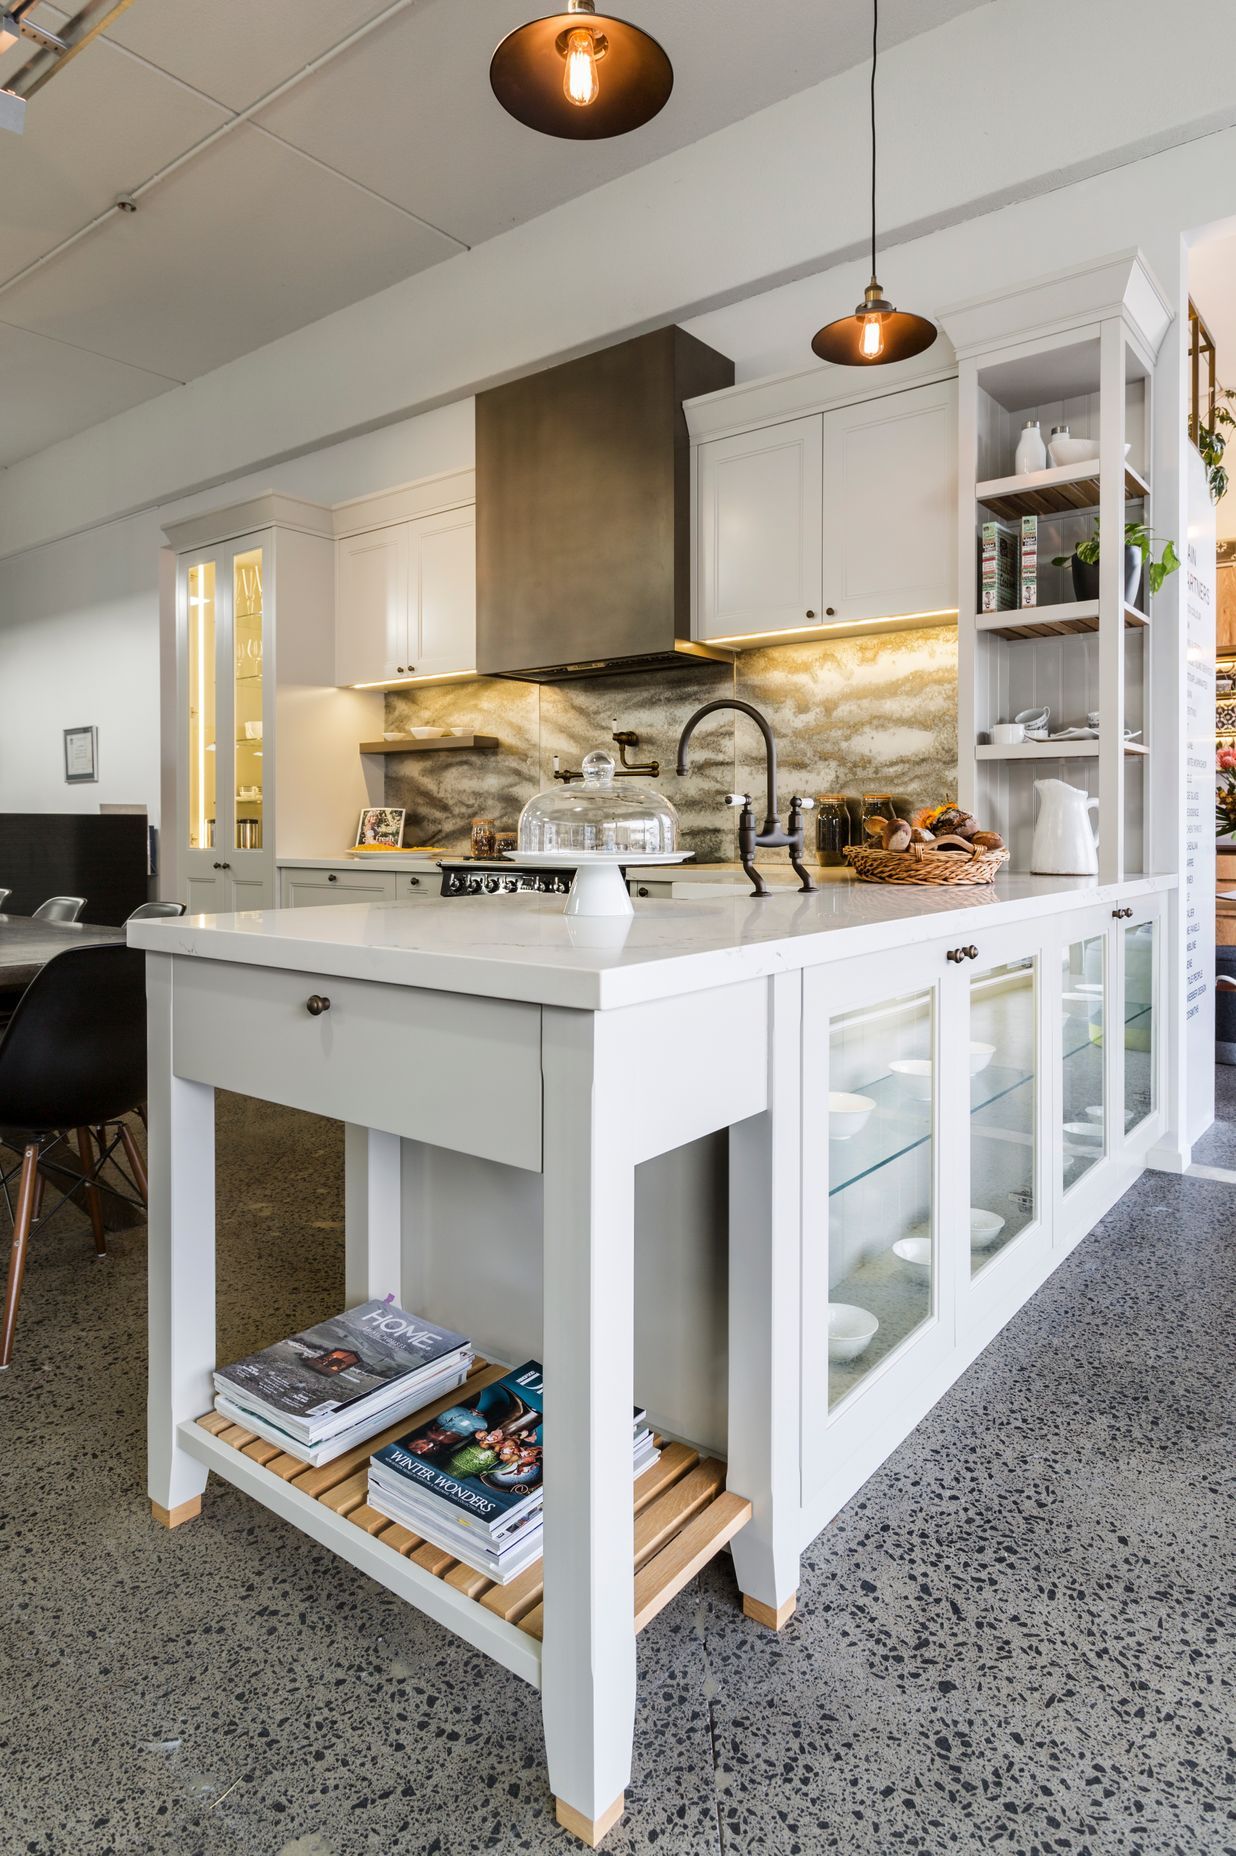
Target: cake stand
[(598, 888)]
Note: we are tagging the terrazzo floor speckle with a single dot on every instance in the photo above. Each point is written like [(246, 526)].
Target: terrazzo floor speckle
[(1018, 1636)]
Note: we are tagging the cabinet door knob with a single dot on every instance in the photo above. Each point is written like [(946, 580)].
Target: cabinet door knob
[(333, 877), (810, 613), (971, 953), (642, 889), (415, 881), (830, 612), (316, 1004), (956, 954), (216, 866)]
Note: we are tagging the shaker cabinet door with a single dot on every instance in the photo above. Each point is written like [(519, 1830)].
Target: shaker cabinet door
[(759, 531), (442, 569), (371, 606), (890, 505)]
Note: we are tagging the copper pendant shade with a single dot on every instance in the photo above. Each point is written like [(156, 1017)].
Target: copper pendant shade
[(581, 74), (876, 333)]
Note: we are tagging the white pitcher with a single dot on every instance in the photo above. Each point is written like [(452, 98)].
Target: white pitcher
[(1064, 843)]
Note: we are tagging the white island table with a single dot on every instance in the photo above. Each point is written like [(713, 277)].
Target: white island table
[(494, 1036)]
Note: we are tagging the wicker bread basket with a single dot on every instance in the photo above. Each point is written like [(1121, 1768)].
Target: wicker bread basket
[(921, 864)]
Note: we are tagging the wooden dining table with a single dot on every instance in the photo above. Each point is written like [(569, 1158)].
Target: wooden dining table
[(27, 945)]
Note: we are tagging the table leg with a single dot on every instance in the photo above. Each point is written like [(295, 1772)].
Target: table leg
[(181, 1259), (373, 1216), (588, 1663), (765, 1219)]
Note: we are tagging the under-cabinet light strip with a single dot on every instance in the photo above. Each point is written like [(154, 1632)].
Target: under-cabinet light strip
[(833, 625), (432, 676)]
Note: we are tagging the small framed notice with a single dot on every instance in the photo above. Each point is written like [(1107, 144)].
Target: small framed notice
[(81, 755)]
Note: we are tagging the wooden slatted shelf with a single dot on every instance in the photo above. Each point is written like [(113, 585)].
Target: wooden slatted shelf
[(1058, 491), (1059, 621), (684, 1515)]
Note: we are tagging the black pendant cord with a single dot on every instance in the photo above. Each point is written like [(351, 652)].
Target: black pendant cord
[(875, 53)]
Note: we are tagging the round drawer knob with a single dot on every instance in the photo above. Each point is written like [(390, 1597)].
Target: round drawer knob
[(333, 877), (830, 612), (316, 1004), (415, 882), (810, 613), (971, 953), (643, 888)]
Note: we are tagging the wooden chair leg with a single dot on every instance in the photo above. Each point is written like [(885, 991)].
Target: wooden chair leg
[(137, 1165), (94, 1201), (22, 1219)]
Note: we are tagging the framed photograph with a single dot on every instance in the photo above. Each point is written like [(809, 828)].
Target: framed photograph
[(381, 825), (81, 755)]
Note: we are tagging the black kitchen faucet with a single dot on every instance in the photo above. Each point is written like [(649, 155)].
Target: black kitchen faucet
[(771, 834)]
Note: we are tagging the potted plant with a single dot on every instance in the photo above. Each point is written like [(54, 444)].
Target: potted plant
[(1139, 546), (1211, 441)]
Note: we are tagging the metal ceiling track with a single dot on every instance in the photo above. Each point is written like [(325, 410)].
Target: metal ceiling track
[(55, 52)]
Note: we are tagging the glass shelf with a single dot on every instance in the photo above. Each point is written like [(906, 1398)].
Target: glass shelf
[(901, 1123)]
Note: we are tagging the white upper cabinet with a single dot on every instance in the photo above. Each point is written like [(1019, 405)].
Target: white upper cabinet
[(760, 517), (831, 519), (442, 606), (890, 505), (371, 606), (406, 599)]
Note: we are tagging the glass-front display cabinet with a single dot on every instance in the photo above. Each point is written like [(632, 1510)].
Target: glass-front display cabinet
[(1139, 967), (226, 714), (1084, 1008)]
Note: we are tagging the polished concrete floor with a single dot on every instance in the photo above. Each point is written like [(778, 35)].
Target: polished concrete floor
[(1018, 1637)]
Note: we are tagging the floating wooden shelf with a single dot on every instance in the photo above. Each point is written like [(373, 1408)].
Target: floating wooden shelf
[(1058, 491), (683, 1517), (1050, 750), (1062, 621), (407, 744)]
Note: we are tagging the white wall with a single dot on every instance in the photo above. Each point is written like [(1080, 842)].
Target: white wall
[(79, 645)]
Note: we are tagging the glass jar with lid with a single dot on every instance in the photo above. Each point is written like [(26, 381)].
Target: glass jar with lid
[(833, 830), (599, 816), (876, 805)]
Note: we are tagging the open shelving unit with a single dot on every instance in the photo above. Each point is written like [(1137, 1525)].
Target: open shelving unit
[(684, 1516), (436, 744), (1076, 350)]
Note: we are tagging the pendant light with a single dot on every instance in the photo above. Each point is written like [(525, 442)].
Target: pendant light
[(876, 332), (581, 74)]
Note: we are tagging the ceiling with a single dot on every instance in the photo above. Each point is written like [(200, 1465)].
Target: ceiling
[(294, 156)]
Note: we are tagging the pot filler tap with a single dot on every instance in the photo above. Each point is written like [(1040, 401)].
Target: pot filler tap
[(770, 835)]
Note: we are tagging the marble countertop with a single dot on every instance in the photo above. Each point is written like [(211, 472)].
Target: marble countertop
[(524, 947)]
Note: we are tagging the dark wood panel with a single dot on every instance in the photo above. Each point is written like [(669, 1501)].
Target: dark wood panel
[(100, 857)]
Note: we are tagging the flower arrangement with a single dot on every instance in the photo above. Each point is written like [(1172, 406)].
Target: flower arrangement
[(1225, 792)]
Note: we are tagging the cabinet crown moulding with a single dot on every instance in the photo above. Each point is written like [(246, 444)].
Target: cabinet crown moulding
[(754, 403), (1121, 284), (271, 509)]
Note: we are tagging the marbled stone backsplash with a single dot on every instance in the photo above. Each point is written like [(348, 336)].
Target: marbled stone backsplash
[(853, 716)]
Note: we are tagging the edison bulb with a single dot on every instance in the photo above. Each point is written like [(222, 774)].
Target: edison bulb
[(579, 82), (871, 343)]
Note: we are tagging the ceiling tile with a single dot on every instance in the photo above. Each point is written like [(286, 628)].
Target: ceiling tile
[(244, 243), (52, 391), (102, 126), (234, 50), (409, 111)]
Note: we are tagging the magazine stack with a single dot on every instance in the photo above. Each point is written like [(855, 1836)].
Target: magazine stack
[(470, 1481), (320, 1393)]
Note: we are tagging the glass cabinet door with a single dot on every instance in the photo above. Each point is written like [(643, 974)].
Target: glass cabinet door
[(1140, 1028), (1083, 990), (1003, 1059), (248, 680), (203, 731), (882, 1238)]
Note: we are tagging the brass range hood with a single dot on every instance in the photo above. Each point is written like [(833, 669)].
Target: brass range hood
[(583, 513)]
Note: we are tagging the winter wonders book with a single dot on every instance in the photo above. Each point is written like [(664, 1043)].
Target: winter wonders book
[(483, 1456), (308, 1382)]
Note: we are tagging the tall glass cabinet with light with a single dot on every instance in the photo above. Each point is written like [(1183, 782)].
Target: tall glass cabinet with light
[(268, 748)]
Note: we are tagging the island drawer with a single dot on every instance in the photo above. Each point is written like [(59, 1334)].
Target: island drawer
[(445, 1068)]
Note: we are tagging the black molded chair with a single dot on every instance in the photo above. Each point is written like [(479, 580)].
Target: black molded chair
[(72, 1061), (155, 911), (59, 909)]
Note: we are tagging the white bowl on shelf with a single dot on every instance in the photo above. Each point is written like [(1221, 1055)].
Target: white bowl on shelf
[(916, 1251), (1094, 1112), (1076, 450), (985, 1227), (980, 1056), (847, 1114), (917, 1074), (427, 734), (1084, 1130), (851, 1330)]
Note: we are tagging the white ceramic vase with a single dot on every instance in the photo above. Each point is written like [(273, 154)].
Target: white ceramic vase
[(1031, 453)]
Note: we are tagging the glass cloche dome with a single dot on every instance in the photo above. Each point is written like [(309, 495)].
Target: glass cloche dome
[(601, 815)]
